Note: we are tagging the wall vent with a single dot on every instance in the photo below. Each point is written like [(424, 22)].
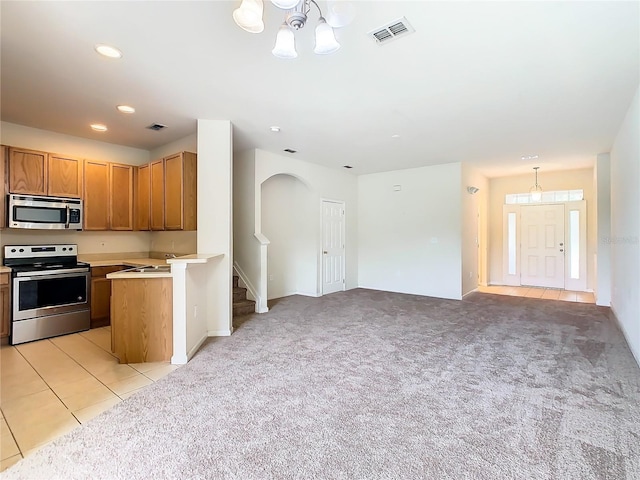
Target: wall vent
[(391, 31), (289, 150), (156, 127)]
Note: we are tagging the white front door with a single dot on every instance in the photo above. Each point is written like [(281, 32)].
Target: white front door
[(332, 246), (542, 245)]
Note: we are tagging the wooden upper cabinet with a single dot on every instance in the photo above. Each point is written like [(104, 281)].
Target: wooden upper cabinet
[(96, 195), (142, 193), (27, 171), (180, 191), (3, 185), (64, 176), (157, 195), (120, 197)]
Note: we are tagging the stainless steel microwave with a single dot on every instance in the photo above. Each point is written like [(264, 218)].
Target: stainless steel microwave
[(45, 213)]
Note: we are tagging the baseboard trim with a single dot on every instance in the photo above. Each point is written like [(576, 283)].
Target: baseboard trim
[(197, 346), (636, 355), (219, 333)]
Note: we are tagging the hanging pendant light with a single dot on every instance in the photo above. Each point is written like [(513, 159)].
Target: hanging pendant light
[(249, 16), (285, 43), (325, 39), (536, 190)]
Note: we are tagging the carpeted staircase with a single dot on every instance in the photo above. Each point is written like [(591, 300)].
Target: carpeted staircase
[(241, 305)]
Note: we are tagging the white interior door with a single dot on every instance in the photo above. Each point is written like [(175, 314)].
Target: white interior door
[(332, 246), (542, 245)]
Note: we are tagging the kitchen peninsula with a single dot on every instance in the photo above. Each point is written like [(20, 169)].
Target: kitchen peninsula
[(155, 313)]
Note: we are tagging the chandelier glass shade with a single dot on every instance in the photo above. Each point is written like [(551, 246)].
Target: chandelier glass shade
[(248, 16), (536, 190)]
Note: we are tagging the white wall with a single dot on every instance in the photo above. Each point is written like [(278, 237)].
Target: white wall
[(186, 144), (321, 183), (625, 226), (409, 241), (289, 222), (602, 179), (246, 248), (559, 180), (474, 229), (35, 139), (215, 222)]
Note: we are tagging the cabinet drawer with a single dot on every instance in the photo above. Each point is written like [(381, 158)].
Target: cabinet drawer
[(104, 271)]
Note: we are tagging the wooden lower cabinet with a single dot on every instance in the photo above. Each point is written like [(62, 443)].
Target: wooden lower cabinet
[(142, 319), (5, 306), (101, 295)]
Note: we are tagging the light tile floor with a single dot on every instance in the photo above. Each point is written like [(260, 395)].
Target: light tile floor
[(535, 292), (49, 387)]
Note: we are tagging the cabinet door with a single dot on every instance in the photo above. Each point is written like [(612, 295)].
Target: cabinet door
[(3, 186), (143, 197), (173, 195), (100, 302), (27, 171), (96, 195), (5, 305), (157, 195), (121, 196), (64, 176)]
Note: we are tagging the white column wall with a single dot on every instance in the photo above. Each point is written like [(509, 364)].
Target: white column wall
[(602, 178), (625, 226), (215, 222)]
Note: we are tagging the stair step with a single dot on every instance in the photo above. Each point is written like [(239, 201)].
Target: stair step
[(239, 293), (243, 307)]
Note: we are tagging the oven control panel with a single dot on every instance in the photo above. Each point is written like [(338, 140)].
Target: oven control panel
[(40, 251)]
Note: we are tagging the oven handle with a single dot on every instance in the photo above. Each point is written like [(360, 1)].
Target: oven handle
[(66, 225), (71, 272)]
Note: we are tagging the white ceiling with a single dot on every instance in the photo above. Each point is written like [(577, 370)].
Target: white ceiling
[(478, 82)]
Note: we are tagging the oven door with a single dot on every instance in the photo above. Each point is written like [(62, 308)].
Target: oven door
[(38, 294)]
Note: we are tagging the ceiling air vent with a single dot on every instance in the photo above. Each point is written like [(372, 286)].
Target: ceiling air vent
[(391, 31), (156, 127)]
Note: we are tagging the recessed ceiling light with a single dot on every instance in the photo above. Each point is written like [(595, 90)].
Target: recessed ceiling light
[(275, 128), (529, 157), (395, 135), (98, 127), (108, 51), (126, 109)]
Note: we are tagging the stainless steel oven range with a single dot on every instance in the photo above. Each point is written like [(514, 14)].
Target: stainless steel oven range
[(50, 291)]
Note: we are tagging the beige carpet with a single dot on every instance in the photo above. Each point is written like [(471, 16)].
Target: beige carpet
[(365, 384)]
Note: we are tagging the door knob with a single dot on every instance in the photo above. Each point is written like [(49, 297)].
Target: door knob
[(562, 250), (561, 244), (325, 252)]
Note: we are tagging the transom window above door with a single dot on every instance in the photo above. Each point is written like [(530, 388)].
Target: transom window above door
[(547, 197)]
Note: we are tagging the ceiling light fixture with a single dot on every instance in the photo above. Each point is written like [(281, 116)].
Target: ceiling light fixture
[(249, 17), (98, 127), (275, 128), (536, 190), (108, 51), (126, 109)]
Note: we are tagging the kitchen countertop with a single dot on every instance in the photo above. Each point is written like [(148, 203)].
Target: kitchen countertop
[(129, 262), (5, 269)]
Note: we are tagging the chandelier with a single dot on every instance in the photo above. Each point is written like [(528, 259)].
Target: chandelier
[(249, 17)]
